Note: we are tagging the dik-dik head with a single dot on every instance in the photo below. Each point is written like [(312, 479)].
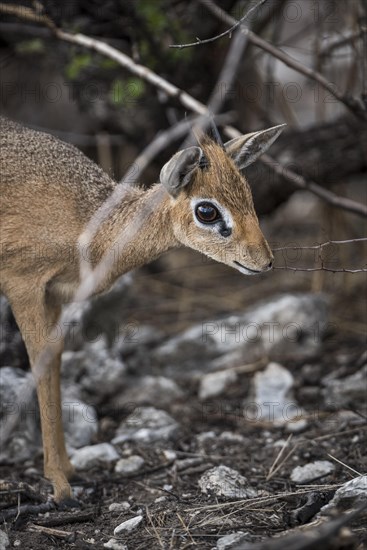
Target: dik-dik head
[(212, 209)]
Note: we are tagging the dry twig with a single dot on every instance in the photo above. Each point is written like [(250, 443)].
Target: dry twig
[(228, 32), (63, 535), (273, 467)]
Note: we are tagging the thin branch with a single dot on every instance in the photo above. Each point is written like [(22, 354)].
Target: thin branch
[(185, 99), (351, 103), (229, 31), (28, 14)]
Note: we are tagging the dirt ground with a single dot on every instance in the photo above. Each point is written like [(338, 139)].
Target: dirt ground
[(173, 293)]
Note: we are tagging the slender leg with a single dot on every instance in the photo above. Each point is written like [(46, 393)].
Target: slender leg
[(66, 466), (35, 320)]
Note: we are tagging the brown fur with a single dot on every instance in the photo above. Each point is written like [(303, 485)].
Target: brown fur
[(49, 193)]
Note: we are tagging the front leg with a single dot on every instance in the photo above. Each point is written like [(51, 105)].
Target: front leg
[(55, 392), (57, 467), (36, 320)]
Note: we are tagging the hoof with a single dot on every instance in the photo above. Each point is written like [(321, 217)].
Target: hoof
[(67, 503), (62, 491)]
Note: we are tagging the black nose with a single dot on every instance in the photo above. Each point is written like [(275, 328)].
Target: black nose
[(270, 265)]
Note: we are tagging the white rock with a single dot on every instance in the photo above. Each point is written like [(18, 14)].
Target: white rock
[(128, 525), (119, 506), (313, 470), (224, 481), (149, 390), (285, 324), (80, 423), (228, 541), (280, 443), (215, 383), (350, 495), (271, 399), (4, 540), (94, 455), (231, 437), (129, 465), (146, 425), (297, 425), (114, 544), (169, 455)]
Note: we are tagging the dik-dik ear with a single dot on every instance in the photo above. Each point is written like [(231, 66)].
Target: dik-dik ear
[(178, 172), (244, 150)]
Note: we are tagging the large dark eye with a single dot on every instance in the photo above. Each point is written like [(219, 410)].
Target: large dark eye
[(207, 213)]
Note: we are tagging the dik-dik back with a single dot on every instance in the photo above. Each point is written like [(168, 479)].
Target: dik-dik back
[(49, 190), (52, 195)]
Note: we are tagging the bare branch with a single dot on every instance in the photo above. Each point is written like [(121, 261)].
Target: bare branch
[(351, 103), (23, 12)]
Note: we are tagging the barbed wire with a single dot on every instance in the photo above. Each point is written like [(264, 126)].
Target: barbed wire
[(322, 268), (321, 245)]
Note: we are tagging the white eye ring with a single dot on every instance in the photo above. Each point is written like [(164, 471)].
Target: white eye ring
[(224, 215)]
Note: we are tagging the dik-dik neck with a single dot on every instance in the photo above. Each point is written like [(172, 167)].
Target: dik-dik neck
[(135, 231)]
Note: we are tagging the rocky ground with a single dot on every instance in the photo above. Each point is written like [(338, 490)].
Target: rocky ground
[(202, 410)]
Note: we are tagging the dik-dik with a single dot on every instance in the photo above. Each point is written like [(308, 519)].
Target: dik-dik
[(49, 193)]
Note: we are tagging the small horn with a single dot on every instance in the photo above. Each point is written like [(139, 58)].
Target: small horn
[(216, 133)]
